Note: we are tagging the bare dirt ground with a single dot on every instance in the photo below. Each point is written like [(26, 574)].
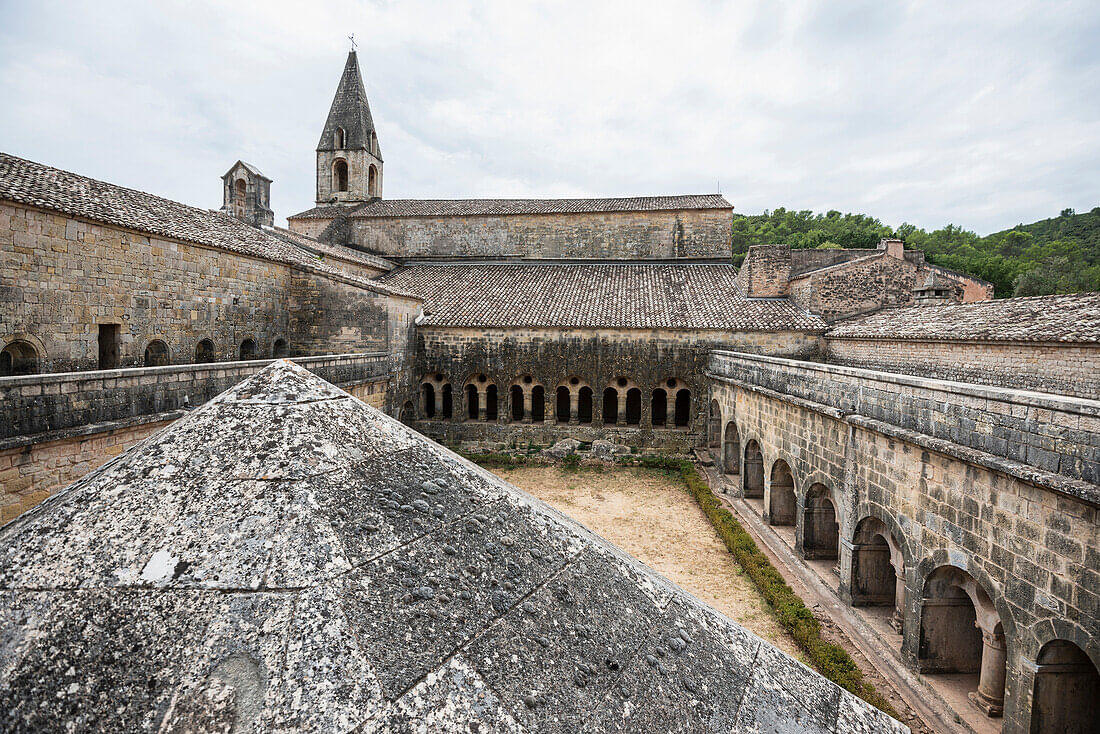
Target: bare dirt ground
[(652, 517)]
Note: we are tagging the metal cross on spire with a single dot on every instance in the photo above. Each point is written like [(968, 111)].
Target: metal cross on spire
[(352, 39)]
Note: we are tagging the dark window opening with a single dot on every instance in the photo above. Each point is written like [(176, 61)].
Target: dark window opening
[(517, 403), (538, 404), (491, 403), (339, 137), (204, 351), (610, 406), (372, 181), (683, 407), (18, 358), (448, 401), (660, 408), (108, 346), (407, 413), (340, 176), (561, 404), (427, 400), (248, 349), (156, 354), (584, 405), (472, 400), (633, 406), (279, 350)]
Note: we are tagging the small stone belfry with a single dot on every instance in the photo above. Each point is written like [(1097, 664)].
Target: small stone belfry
[(246, 195), (349, 161)]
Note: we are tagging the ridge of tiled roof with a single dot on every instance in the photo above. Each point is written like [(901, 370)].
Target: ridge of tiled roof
[(287, 558), (504, 207), (38, 185), (613, 295), (331, 250), (1073, 318)]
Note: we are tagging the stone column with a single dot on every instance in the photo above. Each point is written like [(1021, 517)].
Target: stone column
[(574, 400), (528, 406), (621, 418), (990, 696), (898, 620), (481, 395)]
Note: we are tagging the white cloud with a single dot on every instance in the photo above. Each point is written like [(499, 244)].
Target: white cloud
[(981, 114)]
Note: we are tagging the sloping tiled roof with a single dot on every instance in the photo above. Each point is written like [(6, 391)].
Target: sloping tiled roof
[(613, 295), (286, 558), (330, 250), (492, 207), (34, 184), (1070, 318)]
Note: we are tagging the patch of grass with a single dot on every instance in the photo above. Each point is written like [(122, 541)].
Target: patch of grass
[(832, 661)]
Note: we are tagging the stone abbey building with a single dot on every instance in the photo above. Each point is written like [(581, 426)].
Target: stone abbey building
[(942, 446)]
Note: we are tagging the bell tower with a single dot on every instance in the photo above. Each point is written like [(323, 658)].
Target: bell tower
[(349, 161)]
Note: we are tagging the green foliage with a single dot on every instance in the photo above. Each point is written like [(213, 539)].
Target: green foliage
[(830, 660), (1057, 255)]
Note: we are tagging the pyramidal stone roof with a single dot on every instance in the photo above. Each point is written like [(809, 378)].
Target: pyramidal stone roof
[(287, 558), (350, 111)]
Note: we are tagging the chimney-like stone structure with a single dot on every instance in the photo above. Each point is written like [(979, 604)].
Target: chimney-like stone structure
[(766, 272), (894, 248)]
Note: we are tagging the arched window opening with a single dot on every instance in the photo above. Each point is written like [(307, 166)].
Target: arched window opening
[(248, 349), (1067, 691), (517, 403), (240, 196), (714, 427), (538, 404), (279, 349), (731, 450), (781, 503), (754, 471), (204, 351), (340, 175), (633, 406), (877, 569), (427, 400), (472, 402), (610, 406), (18, 358), (820, 530), (408, 413), (960, 632), (339, 138), (156, 354), (660, 408), (448, 401), (491, 403), (561, 404), (683, 407), (584, 405), (372, 181)]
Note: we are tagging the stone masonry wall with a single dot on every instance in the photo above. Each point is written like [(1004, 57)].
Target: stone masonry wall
[(664, 234), (597, 357), (856, 287), (766, 272), (1067, 369), (61, 277), (1030, 548)]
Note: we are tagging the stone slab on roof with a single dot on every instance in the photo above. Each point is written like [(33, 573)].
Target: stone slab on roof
[(288, 558), (1068, 318), (611, 295), (34, 184), (505, 207)]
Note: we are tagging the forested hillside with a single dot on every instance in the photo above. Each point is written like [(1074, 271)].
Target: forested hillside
[(1058, 255)]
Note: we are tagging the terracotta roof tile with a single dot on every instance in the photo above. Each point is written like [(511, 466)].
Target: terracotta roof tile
[(1068, 318), (612, 295)]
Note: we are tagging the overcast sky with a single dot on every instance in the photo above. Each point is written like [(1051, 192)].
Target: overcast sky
[(983, 114)]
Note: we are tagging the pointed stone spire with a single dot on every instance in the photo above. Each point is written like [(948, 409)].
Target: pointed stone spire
[(350, 112)]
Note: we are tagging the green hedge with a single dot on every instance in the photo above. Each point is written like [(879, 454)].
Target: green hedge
[(830, 660)]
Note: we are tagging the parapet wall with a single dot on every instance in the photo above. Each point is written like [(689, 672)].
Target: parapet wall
[(1054, 434), (41, 406)]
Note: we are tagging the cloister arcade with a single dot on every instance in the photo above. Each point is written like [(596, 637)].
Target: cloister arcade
[(620, 402)]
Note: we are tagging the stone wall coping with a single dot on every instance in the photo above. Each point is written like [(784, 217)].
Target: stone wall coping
[(1048, 401), (1075, 488), (839, 266), (89, 429), (947, 340), (128, 372)]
